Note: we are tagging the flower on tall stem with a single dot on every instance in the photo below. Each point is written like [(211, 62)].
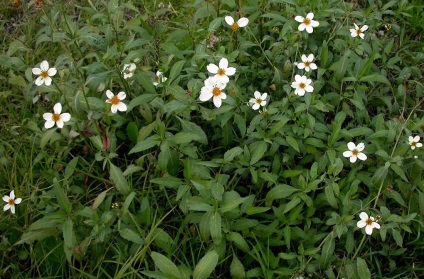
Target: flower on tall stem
[(213, 89), (307, 23), (159, 78), (44, 74), (301, 85), (11, 201), (56, 117), (355, 152), (222, 71), (358, 31), (242, 22), (259, 100), (414, 142), (307, 63), (368, 222), (115, 101)]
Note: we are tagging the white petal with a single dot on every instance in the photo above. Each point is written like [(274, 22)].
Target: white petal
[(295, 85), (301, 27), (18, 201), (311, 57), (301, 65), (48, 81), (313, 66), (310, 15), (122, 95), (363, 216), (360, 146), (12, 209), (351, 146), (229, 20), (212, 68), (52, 71), (57, 108), (114, 108), (368, 230), (361, 224), (159, 73), (300, 92), (257, 95), (36, 71), (356, 26), (304, 58), (314, 23), (309, 89), (418, 144), (347, 154), (264, 96), (121, 106), (298, 78), (353, 158), (362, 35), (353, 33), (223, 96), (299, 18), (222, 79), (49, 124), (60, 123), (255, 106), (376, 225), (6, 207), (109, 94), (65, 117), (364, 28), (6, 198), (47, 116), (242, 22), (39, 81), (252, 101), (416, 138), (223, 63), (44, 66), (163, 79), (230, 71), (12, 194), (217, 101), (362, 156), (205, 95), (309, 29)]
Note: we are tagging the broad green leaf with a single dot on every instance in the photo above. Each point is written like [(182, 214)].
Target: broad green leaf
[(278, 192), (327, 252), (132, 236), (215, 227), (145, 144), (324, 54), (280, 124), (166, 265), (132, 131), (362, 269), (175, 71), (49, 221), (68, 238), (399, 171), (99, 199), (214, 24), (168, 181), (237, 269), (37, 235), (295, 201), (375, 78), (206, 265), (190, 127), (340, 66), (329, 194), (229, 155), (118, 179), (62, 199), (70, 168), (258, 151), (230, 201), (293, 143), (238, 240)]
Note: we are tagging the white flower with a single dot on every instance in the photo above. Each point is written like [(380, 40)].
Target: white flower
[(242, 22), (307, 23), (45, 73), (159, 78), (355, 152), (307, 63), (258, 101), (368, 223), (222, 71), (56, 117), (213, 88), (115, 100), (301, 85), (128, 70), (11, 201), (358, 31), (414, 142)]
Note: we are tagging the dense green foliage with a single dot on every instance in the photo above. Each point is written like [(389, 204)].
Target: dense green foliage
[(174, 187)]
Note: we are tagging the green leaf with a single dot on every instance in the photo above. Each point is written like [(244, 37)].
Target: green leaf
[(215, 227), (214, 25), (329, 194), (278, 192), (293, 143), (280, 124), (132, 131), (324, 54), (99, 199), (237, 269), (185, 137), (258, 150), (362, 269), (165, 265), (230, 201), (327, 252), (62, 199), (238, 240), (38, 235), (206, 265), (295, 201), (340, 66), (145, 144), (375, 78), (190, 127), (379, 175), (172, 49), (68, 238), (168, 181), (70, 168), (119, 180), (399, 171), (175, 71), (232, 153), (130, 235)]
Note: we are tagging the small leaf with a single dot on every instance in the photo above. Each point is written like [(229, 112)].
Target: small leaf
[(237, 269), (206, 265), (232, 153), (215, 227), (130, 235), (175, 71), (132, 131), (165, 265), (119, 180), (258, 151), (293, 143), (362, 268)]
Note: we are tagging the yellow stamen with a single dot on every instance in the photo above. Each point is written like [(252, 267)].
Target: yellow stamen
[(307, 63), (359, 31), (258, 100), (302, 85), (307, 21), (115, 100), (11, 202), (55, 117), (235, 26), (216, 91), (44, 74), (355, 152), (368, 222), (221, 72)]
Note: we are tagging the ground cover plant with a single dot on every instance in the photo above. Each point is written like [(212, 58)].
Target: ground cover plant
[(212, 139)]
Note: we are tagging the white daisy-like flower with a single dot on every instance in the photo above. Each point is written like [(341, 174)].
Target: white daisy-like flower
[(259, 100), (307, 63), (354, 152), (115, 101), (222, 71), (358, 31), (367, 222), (159, 78), (128, 70), (242, 22), (56, 117), (307, 23), (44, 74), (414, 142), (11, 201), (302, 84), (213, 89)]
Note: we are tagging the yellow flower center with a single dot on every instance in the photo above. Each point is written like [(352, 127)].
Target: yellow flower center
[(302, 85), (259, 101), (114, 100), (11, 202), (413, 143), (55, 117), (359, 31), (44, 74), (157, 79), (307, 63), (235, 26), (216, 91), (221, 72), (355, 152), (306, 21), (368, 222)]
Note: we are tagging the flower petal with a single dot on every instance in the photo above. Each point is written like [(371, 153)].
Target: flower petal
[(361, 224), (57, 108), (205, 95), (353, 158), (223, 96), (49, 123), (347, 154), (242, 22), (309, 29), (364, 28), (368, 230), (301, 65), (121, 106), (356, 26), (18, 201), (48, 81), (301, 27), (6, 207), (351, 146), (255, 106), (299, 18), (114, 108), (229, 20), (416, 138), (376, 225), (60, 123), (44, 66), (109, 94), (212, 68), (12, 194), (122, 95), (314, 23), (363, 216), (264, 96), (362, 156), (6, 198), (12, 209), (230, 71), (360, 146), (36, 71), (311, 57), (39, 81), (217, 101), (223, 63), (223, 79), (52, 71), (310, 15), (65, 117)]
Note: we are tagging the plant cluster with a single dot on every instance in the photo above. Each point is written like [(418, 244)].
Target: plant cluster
[(263, 182)]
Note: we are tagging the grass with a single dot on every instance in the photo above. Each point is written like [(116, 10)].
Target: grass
[(175, 187)]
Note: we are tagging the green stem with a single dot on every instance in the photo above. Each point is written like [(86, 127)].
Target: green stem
[(359, 247)]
